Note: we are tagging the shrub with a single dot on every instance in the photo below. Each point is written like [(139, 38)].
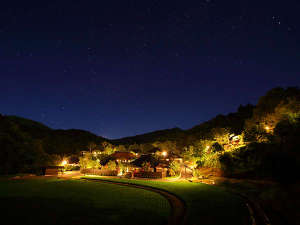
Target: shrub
[(216, 147), (174, 168), (196, 173), (98, 172), (261, 160), (146, 174), (146, 166), (72, 168), (111, 165), (209, 160), (128, 175)]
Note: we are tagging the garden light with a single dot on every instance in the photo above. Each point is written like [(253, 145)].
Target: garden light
[(64, 162)]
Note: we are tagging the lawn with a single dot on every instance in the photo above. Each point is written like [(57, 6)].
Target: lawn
[(58, 201), (206, 204)]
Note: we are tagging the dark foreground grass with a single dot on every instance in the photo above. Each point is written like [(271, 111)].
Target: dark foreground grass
[(58, 201), (206, 204)]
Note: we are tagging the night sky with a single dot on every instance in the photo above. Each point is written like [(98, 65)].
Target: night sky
[(121, 68)]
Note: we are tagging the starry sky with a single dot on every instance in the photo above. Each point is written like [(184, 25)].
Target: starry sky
[(121, 68)]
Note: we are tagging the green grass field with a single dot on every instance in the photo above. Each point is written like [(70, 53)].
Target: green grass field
[(58, 201), (206, 204)]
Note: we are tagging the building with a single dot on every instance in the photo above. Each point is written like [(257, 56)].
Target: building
[(125, 157)]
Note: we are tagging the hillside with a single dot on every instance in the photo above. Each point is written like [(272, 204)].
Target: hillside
[(274, 120), (25, 144), (159, 135)]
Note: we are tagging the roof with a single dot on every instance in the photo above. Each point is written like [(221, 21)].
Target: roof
[(123, 155)]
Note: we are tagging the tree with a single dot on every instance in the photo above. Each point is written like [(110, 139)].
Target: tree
[(92, 146), (216, 147), (146, 166), (121, 148), (111, 165), (134, 148), (108, 148), (191, 156), (221, 135), (88, 161), (174, 168)]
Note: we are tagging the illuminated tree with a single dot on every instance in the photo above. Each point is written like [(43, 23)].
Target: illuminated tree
[(88, 161), (175, 168), (146, 166), (121, 148), (111, 165), (221, 135), (108, 148), (191, 156)]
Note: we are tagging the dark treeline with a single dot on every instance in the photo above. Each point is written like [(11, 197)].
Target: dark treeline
[(267, 146), (26, 145)]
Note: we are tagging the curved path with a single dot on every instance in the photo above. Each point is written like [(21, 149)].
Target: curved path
[(178, 208)]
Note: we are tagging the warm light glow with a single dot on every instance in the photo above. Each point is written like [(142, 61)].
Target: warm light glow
[(207, 147), (164, 153), (120, 173), (64, 162), (267, 128)]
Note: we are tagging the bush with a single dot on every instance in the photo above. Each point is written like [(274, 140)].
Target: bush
[(210, 160), (72, 168), (216, 147), (174, 168), (98, 172), (111, 165), (261, 160), (146, 174), (196, 173), (128, 175)]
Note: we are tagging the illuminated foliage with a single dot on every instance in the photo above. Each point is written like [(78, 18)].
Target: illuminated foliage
[(221, 135), (174, 168), (111, 165), (88, 161), (146, 166)]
